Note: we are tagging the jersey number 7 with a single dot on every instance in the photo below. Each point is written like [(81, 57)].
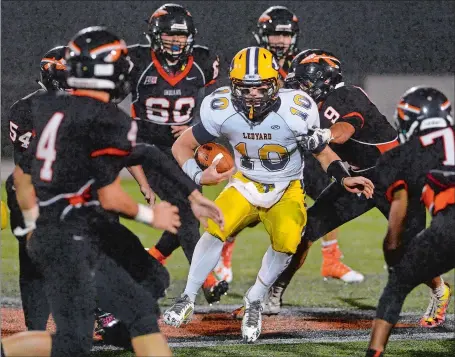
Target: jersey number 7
[(448, 140)]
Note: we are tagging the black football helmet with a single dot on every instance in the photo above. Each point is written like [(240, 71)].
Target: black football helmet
[(277, 20), (422, 110), (52, 68), (172, 19), (97, 59), (316, 72)]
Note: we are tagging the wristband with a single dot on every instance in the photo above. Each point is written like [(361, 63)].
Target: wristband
[(337, 171), (30, 216), (144, 214), (192, 169)]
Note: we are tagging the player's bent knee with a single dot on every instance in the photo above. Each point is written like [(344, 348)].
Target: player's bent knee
[(144, 325)]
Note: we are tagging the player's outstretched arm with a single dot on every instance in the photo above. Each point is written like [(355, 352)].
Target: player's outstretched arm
[(397, 215), (138, 173), (162, 216), (183, 151), (331, 163)]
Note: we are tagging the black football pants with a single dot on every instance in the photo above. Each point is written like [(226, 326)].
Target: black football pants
[(334, 207), (188, 233), (77, 274), (430, 254)]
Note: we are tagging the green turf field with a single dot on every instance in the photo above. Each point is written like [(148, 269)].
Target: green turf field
[(360, 240), (346, 349)]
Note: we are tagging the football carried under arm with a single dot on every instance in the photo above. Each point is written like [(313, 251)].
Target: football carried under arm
[(183, 151), (332, 164)]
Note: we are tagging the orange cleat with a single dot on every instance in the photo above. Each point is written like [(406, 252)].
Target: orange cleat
[(332, 267)]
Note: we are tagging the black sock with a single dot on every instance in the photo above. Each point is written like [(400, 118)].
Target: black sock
[(374, 353)]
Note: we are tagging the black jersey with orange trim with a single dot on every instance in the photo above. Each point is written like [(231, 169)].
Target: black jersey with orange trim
[(161, 98), (407, 166), (373, 133), (80, 139), (20, 124)]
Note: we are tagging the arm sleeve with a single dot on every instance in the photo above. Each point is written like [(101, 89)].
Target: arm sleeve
[(349, 107), (20, 128), (388, 177), (113, 136), (150, 156)]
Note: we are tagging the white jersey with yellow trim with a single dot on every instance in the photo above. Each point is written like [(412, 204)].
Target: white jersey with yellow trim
[(267, 151)]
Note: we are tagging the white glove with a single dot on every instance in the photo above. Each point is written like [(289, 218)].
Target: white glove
[(316, 141)]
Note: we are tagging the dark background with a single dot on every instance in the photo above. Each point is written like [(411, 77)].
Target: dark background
[(369, 36)]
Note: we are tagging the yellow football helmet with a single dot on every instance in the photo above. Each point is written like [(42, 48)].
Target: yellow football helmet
[(254, 68)]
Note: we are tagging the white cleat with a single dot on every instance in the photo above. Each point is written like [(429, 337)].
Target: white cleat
[(179, 313), (352, 277), (252, 320)]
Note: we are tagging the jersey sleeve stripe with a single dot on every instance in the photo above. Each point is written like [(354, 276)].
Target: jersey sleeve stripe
[(354, 114), (387, 146), (213, 81), (395, 187), (109, 151)]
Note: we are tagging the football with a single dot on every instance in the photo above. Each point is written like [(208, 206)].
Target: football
[(205, 154)]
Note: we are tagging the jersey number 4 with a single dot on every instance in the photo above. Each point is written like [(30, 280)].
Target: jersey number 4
[(448, 140), (45, 149)]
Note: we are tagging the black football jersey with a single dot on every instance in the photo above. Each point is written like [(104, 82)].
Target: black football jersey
[(20, 124), (407, 166), (161, 99), (80, 142), (373, 133)]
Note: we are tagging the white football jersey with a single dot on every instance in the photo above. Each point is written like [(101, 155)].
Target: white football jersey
[(267, 151)]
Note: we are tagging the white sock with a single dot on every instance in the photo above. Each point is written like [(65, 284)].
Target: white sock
[(273, 264), (205, 256), (330, 242), (439, 291)]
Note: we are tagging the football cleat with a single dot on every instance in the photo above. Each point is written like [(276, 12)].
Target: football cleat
[(273, 301), (332, 267), (270, 306), (223, 270), (437, 309), (179, 313), (213, 293), (252, 320)]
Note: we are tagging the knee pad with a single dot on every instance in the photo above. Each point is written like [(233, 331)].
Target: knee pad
[(144, 325)]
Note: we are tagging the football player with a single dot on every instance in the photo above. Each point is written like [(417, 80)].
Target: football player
[(81, 143), (263, 125), (359, 134), (169, 77), (120, 243), (422, 167), (278, 31), (52, 79)]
